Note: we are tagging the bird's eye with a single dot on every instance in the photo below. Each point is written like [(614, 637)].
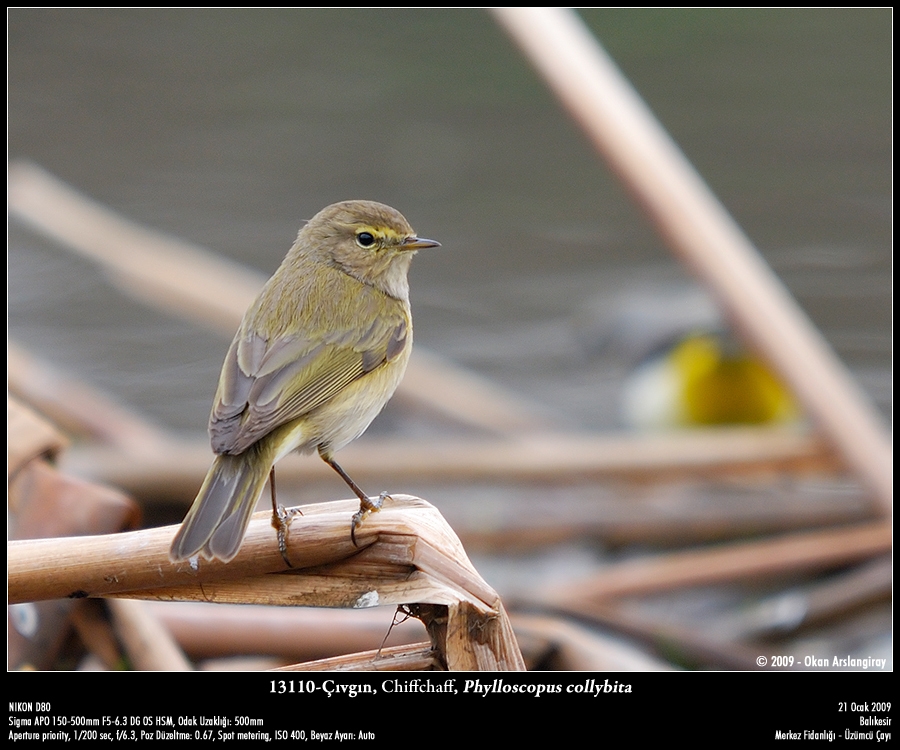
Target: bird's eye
[(365, 239)]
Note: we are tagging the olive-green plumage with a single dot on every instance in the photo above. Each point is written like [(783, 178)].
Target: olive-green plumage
[(316, 358)]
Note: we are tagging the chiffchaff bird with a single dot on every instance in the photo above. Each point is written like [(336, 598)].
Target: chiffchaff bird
[(316, 358)]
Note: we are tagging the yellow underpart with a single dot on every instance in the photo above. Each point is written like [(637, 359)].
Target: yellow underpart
[(724, 388)]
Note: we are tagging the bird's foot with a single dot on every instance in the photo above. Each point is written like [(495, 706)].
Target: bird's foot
[(366, 506), (281, 520)]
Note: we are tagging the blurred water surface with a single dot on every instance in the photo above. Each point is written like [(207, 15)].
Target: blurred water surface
[(230, 127)]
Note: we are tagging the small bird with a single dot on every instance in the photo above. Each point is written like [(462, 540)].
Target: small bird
[(706, 378), (316, 358)]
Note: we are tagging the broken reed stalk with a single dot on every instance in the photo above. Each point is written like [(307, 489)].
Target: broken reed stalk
[(684, 643), (409, 557), (292, 633), (79, 409), (28, 437), (149, 645), (807, 604), (600, 597), (414, 657), (567, 646), (536, 457), (791, 553), (699, 229)]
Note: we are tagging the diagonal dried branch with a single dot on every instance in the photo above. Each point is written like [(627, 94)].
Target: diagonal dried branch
[(699, 229), (409, 557), (806, 551)]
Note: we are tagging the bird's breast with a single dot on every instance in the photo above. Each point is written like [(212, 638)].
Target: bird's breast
[(346, 416)]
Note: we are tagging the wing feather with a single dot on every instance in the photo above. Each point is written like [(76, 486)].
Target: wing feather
[(266, 383)]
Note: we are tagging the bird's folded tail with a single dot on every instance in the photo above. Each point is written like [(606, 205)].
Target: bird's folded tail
[(217, 521)]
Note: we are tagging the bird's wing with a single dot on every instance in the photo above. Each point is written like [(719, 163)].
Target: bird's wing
[(266, 383)]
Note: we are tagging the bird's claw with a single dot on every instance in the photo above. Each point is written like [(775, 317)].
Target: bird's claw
[(366, 506), (281, 520)]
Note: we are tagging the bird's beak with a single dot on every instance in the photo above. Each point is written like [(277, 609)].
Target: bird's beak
[(417, 243)]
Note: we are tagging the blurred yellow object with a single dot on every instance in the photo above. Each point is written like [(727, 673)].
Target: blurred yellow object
[(705, 379)]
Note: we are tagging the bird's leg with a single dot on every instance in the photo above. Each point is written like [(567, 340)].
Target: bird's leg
[(366, 504), (281, 519)]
